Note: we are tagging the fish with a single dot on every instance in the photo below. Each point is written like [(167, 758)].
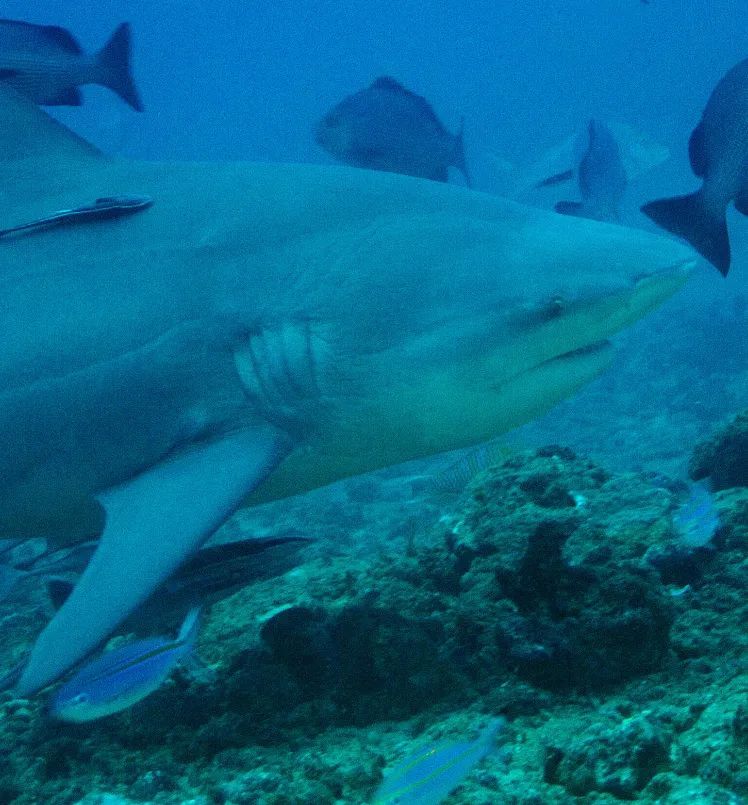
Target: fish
[(46, 64), (124, 676), (98, 210), (718, 152), (214, 572), (453, 478), (387, 127), (639, 153), (431, 773), (697, 520), (601, 177), (262, 330)]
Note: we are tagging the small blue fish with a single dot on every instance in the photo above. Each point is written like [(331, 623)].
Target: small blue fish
[(697, 520), (429, 775), (120, 678)]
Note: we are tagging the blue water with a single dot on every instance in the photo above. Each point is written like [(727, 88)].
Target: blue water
[(238, 79)]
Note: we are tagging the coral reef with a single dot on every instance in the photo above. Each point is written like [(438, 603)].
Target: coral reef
[(723, 458), (547, 592)]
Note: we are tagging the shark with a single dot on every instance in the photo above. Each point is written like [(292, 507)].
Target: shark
[(259, 330)]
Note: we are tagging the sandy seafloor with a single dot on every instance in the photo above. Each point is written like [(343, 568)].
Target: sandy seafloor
[(417, 615)]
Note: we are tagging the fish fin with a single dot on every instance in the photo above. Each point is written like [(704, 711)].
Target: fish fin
[(741, 204), (697, 151), (458, 154), (439, 175), (154, 522), (389, 84), (569, 208), (557, 178), (31, 136), (113, 62), (69, 96), (190, 627), (63, 39), (35, 36), (58, 591), (703, 226)]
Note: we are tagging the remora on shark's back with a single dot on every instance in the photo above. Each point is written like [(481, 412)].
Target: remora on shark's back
[(268, 328)]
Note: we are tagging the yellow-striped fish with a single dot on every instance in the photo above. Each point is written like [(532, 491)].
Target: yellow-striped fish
[(430, 774)]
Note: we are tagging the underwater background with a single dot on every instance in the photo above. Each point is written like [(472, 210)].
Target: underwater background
[(616, 649)]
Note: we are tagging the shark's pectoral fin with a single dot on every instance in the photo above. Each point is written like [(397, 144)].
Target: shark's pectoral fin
[(153, 523)]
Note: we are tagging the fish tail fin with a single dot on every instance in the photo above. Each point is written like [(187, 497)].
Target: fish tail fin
[(458, 154), (702, 224), (113, 63), (190, 627), (569, 208)]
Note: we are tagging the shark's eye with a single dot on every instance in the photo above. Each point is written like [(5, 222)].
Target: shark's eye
[(81, 698), (539, 313)]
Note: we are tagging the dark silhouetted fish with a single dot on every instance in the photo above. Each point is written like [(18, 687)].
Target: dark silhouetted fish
[(601, 176), (387, 127), (718, 150), (212, 573), (46, 63)]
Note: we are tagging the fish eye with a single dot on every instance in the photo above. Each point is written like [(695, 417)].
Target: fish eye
[(81, 698)]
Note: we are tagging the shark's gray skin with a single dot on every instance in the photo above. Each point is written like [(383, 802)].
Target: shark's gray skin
[(267, 329)]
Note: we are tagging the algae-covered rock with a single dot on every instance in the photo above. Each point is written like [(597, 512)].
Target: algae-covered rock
[(533, 596), (618, 761), (580, 608), (723, 458)]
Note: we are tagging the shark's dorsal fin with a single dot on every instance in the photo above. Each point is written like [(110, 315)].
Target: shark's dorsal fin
[(28, 132), (43, 164)]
